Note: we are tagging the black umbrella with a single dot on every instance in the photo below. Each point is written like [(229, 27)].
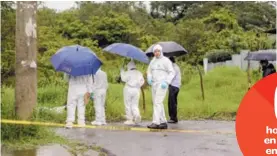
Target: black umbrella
[(269, 55), (170, 48)]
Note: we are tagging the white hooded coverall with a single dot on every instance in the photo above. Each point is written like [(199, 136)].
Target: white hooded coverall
[(78, 87), (133, 81), (99, 89), (160, 70)]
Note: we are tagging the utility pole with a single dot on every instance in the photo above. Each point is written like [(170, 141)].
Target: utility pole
[(25, 60)]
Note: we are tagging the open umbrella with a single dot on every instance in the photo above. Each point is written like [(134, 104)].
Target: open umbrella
[(170, 48), (269, 55), (76, 60), (127, 50)]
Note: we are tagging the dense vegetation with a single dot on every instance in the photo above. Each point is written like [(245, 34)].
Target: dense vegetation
[(201, 27)]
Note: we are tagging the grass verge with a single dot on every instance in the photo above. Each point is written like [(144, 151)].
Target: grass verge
[(28, 136), (224, 88)]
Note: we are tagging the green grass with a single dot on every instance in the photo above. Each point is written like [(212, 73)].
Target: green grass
[(28, 137), (44, 137), (224, 89), (25, 136)]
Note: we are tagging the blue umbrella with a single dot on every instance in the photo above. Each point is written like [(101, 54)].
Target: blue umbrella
[(76, 60), (127, 50)]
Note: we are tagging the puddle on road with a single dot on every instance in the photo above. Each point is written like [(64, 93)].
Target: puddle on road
[(50, 150)]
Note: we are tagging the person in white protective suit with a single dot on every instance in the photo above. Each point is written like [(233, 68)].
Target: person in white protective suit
[(160, 73), (133, 82), (99, 90), (78, 87)]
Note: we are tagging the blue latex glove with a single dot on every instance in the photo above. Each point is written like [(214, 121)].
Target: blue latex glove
[(91, 96), (164, 85), (149, 81)]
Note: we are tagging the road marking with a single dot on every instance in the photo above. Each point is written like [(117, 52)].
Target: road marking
[(123, 128)]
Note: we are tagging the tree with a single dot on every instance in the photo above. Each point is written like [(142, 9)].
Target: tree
[(172, 10), (112, 28), (7, 41), (26, 72), (191, 34), (201, 27)]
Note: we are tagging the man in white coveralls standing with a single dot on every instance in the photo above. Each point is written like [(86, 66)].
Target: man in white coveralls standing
[(160, 73), (99, 91), (78, 87)]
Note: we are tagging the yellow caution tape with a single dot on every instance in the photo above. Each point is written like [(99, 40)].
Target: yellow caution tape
[(124, 128)]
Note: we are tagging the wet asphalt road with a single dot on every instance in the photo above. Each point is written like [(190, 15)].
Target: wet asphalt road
[(218, 140)]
